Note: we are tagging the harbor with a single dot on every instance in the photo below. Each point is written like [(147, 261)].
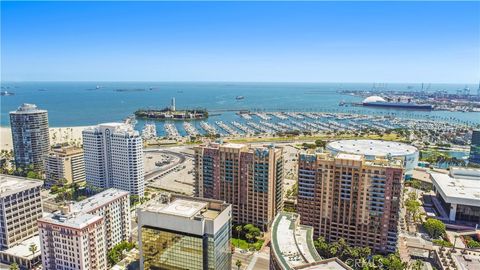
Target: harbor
[(281, 123)]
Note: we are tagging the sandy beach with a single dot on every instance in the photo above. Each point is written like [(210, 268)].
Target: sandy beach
[(71, 135)]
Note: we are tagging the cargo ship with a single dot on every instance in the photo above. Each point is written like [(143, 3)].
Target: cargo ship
[(376, 101)]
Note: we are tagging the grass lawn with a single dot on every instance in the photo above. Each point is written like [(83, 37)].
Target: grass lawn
[(386, 137), (242, 244)]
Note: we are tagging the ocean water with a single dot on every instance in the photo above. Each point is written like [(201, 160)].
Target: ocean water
[(80, 103)]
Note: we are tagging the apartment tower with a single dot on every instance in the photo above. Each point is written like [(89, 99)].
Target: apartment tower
[(20, 207), (249, 178), (114, 206), (72, 241), (346, 196), (30, 136), (113, 157)]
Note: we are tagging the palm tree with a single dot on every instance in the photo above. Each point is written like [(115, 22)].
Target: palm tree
[(14, 266), (238, 263), (249, 239), (33, 248), (239, 229)]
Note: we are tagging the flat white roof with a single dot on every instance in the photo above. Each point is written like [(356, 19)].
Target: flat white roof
[(22, 249), (75, 220), (13, 184), (457, 190), (98, 200), (372, 148), (290, 241), (233, 145), (325, 265), (184, 208), (349, 156)]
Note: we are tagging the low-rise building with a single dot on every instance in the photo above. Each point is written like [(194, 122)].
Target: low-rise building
[(292, 246), (22, 254), (182, 232), (72, 241), (64, 163), (458, 194)]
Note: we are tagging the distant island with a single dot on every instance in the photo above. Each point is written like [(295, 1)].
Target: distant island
[(170, 113)]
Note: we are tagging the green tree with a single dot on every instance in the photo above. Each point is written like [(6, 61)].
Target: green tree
[(249, 239), (417, 265), (321, 143), (412, 207), (434, 227), (238, 263), (239, 229), (393, 262), (14, 266), (33, 248)]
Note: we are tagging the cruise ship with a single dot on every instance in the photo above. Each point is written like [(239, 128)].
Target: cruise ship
[(376, 101)]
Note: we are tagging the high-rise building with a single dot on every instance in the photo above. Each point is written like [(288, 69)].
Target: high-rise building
[(114, 206), (20, 207), (64, 162), (347, 196), (72, 241), (475, 148), (30, 136), (113, 157), (184, 233), (249, 178)]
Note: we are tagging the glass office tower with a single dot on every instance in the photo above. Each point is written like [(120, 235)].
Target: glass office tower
[(185, 233)]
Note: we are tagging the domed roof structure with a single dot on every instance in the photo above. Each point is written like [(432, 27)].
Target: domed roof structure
[(373, 99)]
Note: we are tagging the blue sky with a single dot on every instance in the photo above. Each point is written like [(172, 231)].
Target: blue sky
[(241, 41)]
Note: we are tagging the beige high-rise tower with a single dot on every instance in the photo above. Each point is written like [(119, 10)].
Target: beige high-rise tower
[(346, 196), (249, 178)]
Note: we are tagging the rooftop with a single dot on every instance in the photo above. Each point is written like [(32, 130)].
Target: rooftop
[(23, 249), (292, 243), (328, 264), (98, 200), (182, 207), (372, 147), (75, 220), (28, 108), (458, 188), (66, 150), (349, 156), (13, 184)]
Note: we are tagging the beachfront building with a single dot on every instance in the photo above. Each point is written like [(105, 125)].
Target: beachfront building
[(113, 155), (30, 136), (457, 195), (114, 206), (72, 241), (249, 178), (64, 163), (348, 196), (372, 149), (20, 207), (179, 232), (475, 148), (292, 246)]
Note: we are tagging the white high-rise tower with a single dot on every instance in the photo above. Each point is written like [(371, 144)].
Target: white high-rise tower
[(113, 156)]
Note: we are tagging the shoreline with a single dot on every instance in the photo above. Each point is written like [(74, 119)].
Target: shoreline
[(71, 134)]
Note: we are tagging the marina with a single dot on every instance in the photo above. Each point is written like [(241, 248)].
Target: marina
[(311, 123)]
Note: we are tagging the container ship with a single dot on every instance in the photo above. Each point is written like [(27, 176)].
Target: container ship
[(376, 101)]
